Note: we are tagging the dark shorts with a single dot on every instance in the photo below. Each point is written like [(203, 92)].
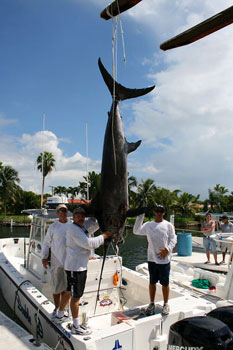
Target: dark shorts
[(159, 273), (76, 281)]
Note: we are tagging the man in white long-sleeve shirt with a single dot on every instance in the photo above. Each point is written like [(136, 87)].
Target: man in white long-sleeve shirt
[(78, 249), (161, 241), (55, 240)]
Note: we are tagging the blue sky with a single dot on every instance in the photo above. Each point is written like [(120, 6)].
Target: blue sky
[(49, 52)]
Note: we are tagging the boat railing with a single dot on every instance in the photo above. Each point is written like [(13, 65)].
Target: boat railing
[(187, 230)]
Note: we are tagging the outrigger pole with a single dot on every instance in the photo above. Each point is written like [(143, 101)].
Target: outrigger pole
[(117, 7), (209, 26)]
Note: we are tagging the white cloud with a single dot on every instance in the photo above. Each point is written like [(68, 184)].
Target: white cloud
[(185, 123), (188, 120), (22, 154), (4, 121)]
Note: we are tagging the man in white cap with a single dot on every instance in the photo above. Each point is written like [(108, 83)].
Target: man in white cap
[(55, 240), (78, 251)]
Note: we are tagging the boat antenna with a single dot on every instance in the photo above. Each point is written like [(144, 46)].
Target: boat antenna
[(87, 162), (42, 167)]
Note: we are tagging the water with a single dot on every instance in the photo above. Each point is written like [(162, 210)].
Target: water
[(133, 252), (7, 231)]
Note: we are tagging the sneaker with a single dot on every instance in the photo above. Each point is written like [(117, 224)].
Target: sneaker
[(150, 309), (81, 330), (54, 314), (165, 309), (64, 318), (66, 313)]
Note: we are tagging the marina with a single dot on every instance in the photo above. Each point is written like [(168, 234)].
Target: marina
[(120, 314), (182, 118)]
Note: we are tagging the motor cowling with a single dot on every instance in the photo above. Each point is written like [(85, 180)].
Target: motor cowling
[(200, 333), (224, 314)]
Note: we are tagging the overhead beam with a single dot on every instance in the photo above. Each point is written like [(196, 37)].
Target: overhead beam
[(117, 7), (209, 26)]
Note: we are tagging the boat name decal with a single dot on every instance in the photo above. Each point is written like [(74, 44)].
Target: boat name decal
[(39, 328), (177, 347), (106, 301), (23, 309)]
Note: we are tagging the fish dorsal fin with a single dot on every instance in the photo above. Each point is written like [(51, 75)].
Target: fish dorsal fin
[(132, 146)]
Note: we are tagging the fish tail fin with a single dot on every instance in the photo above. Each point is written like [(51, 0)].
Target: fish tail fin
[(121, 93)]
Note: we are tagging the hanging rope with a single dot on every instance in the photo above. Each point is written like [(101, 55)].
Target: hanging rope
[(114, 58), (123, 41), (115, 24)]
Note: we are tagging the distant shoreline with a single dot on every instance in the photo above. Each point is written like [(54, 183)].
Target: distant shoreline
[(15, 224)]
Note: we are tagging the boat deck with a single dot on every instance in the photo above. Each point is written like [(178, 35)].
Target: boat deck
[(197, 259)]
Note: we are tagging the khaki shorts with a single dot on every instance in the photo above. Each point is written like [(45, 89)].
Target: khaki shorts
[(58, 280), (223, 246)]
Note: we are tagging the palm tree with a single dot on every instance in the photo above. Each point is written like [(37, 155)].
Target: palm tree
[(60, 190), (217, 200), (145, 190), (9, 188), (166, 198), (184, 205), (220, 192), (132, 183), (45, 164), (93, 181), (73, 191)]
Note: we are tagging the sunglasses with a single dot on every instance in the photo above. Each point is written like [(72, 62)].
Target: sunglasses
[(159, 211), (62, 211)]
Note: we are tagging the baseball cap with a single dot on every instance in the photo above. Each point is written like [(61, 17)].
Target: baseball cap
[(79, 210), (224, 217), (159, 207), (60, 206)]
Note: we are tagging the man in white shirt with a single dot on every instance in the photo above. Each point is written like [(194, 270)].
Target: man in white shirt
[(225, 227), (78, 249), (161, 241), (55, 240)]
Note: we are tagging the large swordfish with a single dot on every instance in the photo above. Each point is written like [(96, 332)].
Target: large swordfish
[(111, 205)]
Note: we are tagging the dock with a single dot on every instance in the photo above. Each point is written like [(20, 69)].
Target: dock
[(197, 259), (14, 337)]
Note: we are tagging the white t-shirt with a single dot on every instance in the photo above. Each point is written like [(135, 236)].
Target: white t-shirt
[(56, 240), (159, 235), (79, 245)]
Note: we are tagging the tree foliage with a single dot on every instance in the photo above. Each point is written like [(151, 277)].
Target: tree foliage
[(45, 164), (10, 190)]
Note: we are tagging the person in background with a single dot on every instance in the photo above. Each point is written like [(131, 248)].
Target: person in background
[(55, 240), (225, 227), (208, 229), (162, 239), (78, 249)]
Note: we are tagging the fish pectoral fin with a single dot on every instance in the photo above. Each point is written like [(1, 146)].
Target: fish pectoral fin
[(136, 211), (132, 146)]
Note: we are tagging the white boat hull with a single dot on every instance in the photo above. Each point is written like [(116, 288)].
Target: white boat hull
[(29, 296)]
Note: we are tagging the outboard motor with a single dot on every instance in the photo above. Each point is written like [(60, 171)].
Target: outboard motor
[(200, 333), (224, 314)]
